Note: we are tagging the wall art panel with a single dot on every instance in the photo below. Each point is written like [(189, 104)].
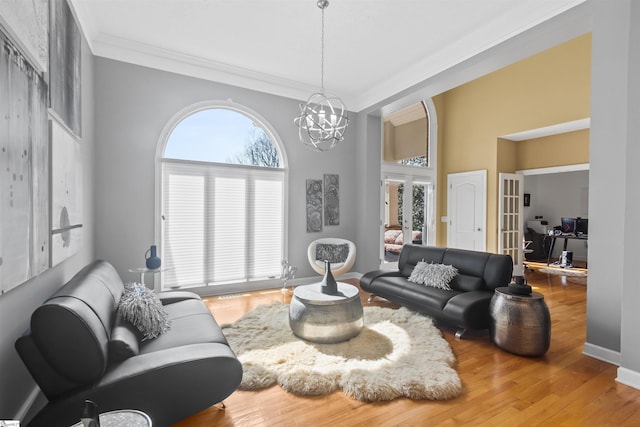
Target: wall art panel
[(24, 169), (314, 205), (27, 23), (64, 66), (66, 194), (331, 199)]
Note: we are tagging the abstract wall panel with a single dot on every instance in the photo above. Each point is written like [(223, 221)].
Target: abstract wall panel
[(24, 169), (314, 205), (64, 66), (66, 194), (331, 199)]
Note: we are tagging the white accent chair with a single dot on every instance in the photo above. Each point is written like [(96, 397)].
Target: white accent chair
[(337, 268)]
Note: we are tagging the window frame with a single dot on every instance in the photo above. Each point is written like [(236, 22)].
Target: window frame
[(160, 149)]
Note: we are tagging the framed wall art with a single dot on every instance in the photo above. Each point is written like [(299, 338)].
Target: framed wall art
[(66, 193), (24, 169), (64, 66)]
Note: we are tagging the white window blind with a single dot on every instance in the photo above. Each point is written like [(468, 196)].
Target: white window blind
[(221, 223)]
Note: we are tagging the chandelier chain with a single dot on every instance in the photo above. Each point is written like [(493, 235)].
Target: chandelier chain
[(322, 56), (323, 119)]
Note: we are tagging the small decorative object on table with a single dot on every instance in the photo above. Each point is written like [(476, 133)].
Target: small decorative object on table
[(151, 257), (328, 286), (90, 417), (520, 286), (288, 272)]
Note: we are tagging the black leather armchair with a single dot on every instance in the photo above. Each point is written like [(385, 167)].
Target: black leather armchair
[(74, 351)]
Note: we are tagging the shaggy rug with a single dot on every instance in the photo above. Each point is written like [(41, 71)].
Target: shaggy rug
[(397, 353)]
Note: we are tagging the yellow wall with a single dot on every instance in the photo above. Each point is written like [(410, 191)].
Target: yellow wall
[(405, 141), (548, 88), (571, 148)]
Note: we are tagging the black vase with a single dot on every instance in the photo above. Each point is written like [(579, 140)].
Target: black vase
[(328, 286)]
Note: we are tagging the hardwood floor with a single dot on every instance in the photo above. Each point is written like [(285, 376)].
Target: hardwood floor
[(562, 388)]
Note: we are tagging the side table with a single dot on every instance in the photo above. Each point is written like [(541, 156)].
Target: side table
[(520, 324), (142, 271), (122, 418)]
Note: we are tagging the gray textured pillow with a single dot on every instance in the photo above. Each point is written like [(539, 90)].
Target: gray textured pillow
[(142, 307), (334, 253), (434, 275)]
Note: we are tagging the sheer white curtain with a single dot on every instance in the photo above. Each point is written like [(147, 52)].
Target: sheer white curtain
[(221, 223)]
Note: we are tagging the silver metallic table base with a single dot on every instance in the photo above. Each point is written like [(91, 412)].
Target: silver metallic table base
[(520, 324), (326, 319)]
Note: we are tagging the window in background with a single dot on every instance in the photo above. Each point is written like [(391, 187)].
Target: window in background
[(406, 136), (223, 198)]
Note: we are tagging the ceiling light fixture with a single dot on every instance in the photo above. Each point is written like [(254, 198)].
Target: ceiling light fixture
[(323, 119)]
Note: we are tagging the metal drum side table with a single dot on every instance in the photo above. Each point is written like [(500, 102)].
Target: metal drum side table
[(321, 318), (520, 324)]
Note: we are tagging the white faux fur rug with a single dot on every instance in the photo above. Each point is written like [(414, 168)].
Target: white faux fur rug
[(397, 353)]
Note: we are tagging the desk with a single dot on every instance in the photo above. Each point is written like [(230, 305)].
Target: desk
[(566, 238)]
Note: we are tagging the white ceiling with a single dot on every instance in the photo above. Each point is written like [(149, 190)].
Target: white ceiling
[(373, 48)]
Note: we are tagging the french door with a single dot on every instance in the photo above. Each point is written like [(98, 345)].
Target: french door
[(407, 217), (511, 220)]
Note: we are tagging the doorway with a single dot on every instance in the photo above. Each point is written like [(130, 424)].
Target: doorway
[(407, 216)]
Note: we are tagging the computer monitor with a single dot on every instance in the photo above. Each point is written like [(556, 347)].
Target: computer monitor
[(582, 226), (568, 225)]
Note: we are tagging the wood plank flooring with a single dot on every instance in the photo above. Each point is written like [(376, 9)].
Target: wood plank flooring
[(562, 388)]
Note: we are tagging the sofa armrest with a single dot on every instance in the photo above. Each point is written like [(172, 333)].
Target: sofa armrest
[(168, 385), (170, 297), (366, 279), (472, 307)]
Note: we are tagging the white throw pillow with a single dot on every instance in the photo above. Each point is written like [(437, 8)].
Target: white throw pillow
[(434, 275)]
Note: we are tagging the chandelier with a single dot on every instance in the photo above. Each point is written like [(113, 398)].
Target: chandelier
[(323, 119)]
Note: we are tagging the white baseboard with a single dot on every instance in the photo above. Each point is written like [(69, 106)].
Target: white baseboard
[(601, 353), (629, 377)]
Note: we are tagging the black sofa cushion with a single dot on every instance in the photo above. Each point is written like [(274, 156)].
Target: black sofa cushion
[(463, 282)]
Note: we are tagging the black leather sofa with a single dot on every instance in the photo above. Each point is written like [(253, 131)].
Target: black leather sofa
[(70, 352), (466, 306)]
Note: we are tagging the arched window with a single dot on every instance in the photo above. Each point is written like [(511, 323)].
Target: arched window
[(223, 198)]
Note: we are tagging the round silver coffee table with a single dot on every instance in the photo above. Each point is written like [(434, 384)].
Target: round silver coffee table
[(122, 418), (321, 318)]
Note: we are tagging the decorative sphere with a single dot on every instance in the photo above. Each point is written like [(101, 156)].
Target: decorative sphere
[(322, 122)]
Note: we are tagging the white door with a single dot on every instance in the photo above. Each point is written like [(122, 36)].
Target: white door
[(510, 219), (467, 206)]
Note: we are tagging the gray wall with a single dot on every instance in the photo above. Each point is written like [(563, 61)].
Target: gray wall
[(630, 344), (612, 294), (134, 103), (16, 306), (556, 195)]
